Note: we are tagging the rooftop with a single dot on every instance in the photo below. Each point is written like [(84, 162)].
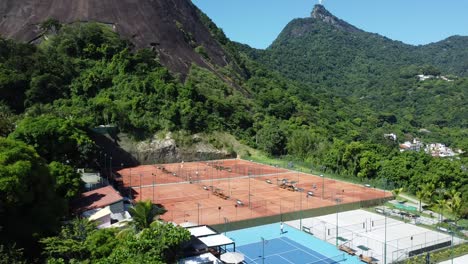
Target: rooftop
[(98, 198)]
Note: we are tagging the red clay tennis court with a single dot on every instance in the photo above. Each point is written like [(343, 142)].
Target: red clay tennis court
[(212, 192)]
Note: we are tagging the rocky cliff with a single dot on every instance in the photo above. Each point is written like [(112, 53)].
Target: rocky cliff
[(320, 13), (172, 27)]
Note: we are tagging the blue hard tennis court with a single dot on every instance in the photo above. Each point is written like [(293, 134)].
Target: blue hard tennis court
[(290, 246), (284, 250)]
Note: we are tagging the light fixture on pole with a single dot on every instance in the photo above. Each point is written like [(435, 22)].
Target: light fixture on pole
[(130, 185), (198, 204), (110, 170), (154, 182), (337, 200), (300, 211), (141, 194), (226, 221), (451, 246), (250, 205), (263, 250), (236, 210), (105, 163), (385, 236), (323, 185)]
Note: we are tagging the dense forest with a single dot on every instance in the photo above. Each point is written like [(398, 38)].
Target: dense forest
[(83, 75)]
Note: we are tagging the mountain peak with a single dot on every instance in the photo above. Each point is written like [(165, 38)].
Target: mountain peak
[(321, 13)]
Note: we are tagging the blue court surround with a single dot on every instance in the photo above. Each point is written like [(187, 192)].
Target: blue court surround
[(289, 246), (283, 250)]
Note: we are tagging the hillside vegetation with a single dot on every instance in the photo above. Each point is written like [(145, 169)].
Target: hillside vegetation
[(329, 113)]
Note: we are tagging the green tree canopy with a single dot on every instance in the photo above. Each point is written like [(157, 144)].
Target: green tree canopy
[(80, 242), (55, 139), (68, 183), (271, 138), (26, 193)]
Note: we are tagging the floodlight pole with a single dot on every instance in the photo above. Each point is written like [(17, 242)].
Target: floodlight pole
[(323, 185), (300, 219), (385, 236), (263, 250), (236, 210), (336, 238), (105, 163), (250, 205), (300, 206), (385, 244), (130, 185), (141, 194), (154, 176), (110, 170), (451, 247), (226, 220), (337, 203), (198, 204)]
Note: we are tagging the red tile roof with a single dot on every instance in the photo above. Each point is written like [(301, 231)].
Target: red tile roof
[(98, 198)]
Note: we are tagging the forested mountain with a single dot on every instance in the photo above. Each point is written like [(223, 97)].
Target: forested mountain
[(324, 93), (450, 55), (329, 52)]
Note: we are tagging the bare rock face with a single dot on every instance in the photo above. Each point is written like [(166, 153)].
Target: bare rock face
[(172, 27), (166, 150), (158, 151), (320, 13)]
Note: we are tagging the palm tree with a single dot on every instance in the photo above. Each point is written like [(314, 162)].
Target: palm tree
[(428, 189), (420, 195), (440, 204), (454, 204), (425, 191), (144, 213), (397, 192)]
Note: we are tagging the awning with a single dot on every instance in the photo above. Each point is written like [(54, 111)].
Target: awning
[(216, 240), (201, 231)]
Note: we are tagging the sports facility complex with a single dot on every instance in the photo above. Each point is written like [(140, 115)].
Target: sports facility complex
[(246, 201), (214, 192)]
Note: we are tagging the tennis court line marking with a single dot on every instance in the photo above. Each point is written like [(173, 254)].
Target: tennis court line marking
[(315, 257), (286, 259), (277, 254), (252, 260)]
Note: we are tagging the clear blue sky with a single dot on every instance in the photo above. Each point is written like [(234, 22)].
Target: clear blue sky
[(258, 22)]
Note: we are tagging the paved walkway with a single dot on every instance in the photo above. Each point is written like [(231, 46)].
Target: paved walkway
[(410, 199), (459, 260)]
